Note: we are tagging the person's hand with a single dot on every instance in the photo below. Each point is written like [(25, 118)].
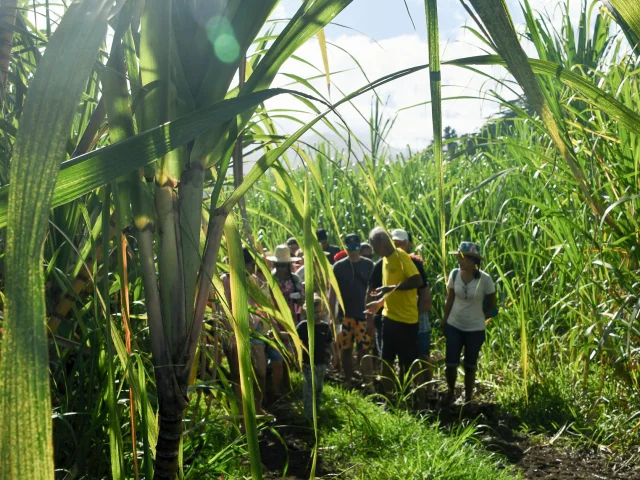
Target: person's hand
[(373, 307), (383, 290)]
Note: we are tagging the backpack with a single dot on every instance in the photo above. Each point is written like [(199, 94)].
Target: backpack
[(491, 313)]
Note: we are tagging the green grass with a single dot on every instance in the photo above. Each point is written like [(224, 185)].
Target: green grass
[(361, 440)]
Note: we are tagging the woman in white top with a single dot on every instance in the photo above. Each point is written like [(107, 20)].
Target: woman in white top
[(471, 294)]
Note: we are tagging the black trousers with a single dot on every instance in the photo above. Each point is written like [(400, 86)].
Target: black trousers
[(399, 339)]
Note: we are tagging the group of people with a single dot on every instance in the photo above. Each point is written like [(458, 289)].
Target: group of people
[(381, 309)]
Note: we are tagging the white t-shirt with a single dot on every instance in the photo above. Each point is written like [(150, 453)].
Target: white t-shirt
[(467, 314)]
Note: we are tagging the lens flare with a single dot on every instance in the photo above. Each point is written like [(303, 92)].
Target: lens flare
[(223, 39)]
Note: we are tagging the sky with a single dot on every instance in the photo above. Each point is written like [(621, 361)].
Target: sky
[(381, 36)]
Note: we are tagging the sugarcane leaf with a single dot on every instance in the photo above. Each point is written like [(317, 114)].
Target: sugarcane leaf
[(26, 449), (85, 173), (497, 20), (322, 40), (240, 323), (594, 95), (628, 16), (309, 277), (485, 182), (263, 164), (435, 85)]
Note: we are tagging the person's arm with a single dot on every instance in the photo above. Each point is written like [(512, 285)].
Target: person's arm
[(373, 306), (448, 305), (424, 299), (333, 300), (410, 283), (298, 286), (375, 281), (491, 302)]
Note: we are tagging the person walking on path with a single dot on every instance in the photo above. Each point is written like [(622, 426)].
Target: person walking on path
[(400, 281), (375, 282), (257, 344), (292, 243), (323, 340), (471, 294), (352, 274), (366, 251), (323, 238), (293, 292), (402, 240)]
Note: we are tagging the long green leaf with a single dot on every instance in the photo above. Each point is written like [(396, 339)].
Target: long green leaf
[(629, 10), (309, 278), (115, 434), (435, 85), (263, 164), (594, 95), (240, 322), (83, 174), (25, 442), (497, 20)]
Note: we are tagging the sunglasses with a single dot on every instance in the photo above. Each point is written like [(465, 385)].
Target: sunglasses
[(281, 265), (369, 256)]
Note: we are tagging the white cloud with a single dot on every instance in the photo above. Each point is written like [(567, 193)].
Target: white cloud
[(413, 126)]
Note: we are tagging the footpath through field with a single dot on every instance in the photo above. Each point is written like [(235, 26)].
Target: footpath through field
[(500, 450)]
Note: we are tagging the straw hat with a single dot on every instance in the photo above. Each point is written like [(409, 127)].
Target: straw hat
[(316, 299), (468, 249), (282, 255)]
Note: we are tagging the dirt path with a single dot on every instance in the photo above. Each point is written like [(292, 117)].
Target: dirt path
[(535, 458), (287, 446)]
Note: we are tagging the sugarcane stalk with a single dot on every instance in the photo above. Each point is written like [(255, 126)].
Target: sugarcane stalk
[(159, 106)]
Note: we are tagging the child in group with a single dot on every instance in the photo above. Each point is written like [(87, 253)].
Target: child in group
[(323, 346)]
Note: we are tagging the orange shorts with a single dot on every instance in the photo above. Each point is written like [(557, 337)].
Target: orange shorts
[(353, 329)]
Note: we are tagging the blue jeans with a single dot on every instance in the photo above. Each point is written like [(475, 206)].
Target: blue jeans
[(424, 335), (470, 341), (378, 323), (307, 389)]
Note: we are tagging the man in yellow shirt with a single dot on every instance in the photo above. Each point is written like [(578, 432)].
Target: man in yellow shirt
[(400, 281)]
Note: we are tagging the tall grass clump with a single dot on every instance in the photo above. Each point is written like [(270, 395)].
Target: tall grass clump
[(559, 225), (365, 441)]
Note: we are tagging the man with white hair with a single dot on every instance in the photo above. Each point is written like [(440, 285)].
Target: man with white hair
[(402, 240), (400, 281)]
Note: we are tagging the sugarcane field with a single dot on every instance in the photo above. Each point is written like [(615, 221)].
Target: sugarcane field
[(320, 239)]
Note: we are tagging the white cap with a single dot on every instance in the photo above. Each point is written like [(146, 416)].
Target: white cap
[(399, 234)]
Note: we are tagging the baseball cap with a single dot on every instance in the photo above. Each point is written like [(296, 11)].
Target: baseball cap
[(399, 234), (321, 234), (352, 242)]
